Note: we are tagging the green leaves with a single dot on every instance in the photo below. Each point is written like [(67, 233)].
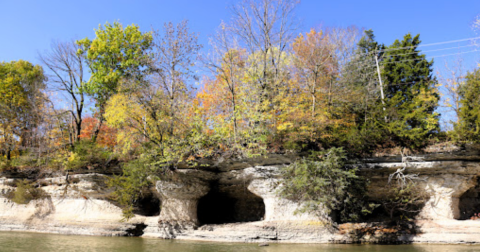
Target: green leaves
[(137, 176), (115, 53), (411, 93), (322, 183), (468, 127), (21, 98)]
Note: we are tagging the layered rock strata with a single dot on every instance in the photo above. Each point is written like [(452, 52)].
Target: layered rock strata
[(238, 201)]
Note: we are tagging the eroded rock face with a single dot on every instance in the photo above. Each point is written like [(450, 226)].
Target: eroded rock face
[(244, 195), (180, 199), (445, 191), (230, 203), (470, 203), (443, 181), (277, 208), (75, 207), (248, 204)]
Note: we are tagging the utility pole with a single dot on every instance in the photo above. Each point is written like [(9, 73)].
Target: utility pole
[(381, 85)]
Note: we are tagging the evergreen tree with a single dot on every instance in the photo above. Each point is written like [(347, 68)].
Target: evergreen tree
[(410, 93), (468, 127), (361, 75)]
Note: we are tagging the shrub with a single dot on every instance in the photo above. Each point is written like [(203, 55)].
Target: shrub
[(27, 159), (322, 183), (137, 175), (404, 201), (26, 192), (4, 164), (87, 154)]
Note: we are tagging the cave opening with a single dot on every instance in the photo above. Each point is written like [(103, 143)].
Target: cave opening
[(148, 204), (469, 203), (230, 204)]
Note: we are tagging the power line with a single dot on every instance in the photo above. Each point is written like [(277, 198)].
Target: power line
[(372, 66), (420, 58), (436, 50), (431, 44), (416, 46)]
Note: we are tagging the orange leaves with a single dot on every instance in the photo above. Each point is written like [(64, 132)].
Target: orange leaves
[(314, 53), (213, 100), (297, 99), (106, 137)]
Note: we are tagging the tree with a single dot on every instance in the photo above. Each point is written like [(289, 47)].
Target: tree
[(468, 127), (140, 118), (319, 63), (106, 136), (265, 28), (314, 63), (116, 53), (228, 65), (67, 75), (157, 113), (410, 91), (174, 55), (21, 100), (451, 81), (360, 76)]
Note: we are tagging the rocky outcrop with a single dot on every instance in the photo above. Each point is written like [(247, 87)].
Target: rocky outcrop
[(75, 207), (445, 191), (445, 182), (180, 200), (277, 208), (239, 201)]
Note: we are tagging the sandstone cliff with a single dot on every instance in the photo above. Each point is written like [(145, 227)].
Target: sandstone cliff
[(238, 201)]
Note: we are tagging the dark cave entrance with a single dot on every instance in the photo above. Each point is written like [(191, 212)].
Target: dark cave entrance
[(148, 204), (230, 204), (469, 203)]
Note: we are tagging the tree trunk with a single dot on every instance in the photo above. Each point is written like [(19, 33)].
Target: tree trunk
[(100, 122), (78, 130), (313, 106), (97, 130)]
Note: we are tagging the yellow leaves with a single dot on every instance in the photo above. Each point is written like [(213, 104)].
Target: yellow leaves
[(21, 97), (120, 109), (284, 126), (127, 116), (71, 156), (125, 141)]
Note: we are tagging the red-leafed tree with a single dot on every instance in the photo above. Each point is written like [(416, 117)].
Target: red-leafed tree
[(106, 137)]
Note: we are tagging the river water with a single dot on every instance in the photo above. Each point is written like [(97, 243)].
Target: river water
[(16, 241)]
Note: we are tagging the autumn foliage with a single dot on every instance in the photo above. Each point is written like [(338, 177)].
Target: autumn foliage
[(106, 137), (262, 87), (266, 91)]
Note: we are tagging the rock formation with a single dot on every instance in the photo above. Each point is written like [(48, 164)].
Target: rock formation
[(238, 201)]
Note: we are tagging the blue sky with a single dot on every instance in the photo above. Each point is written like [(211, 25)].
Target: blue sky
[(28, 27)]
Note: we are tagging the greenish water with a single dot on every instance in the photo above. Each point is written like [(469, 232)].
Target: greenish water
[(16, 241)]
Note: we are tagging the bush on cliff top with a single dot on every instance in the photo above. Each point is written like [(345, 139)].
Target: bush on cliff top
[(87, 154), (137, 175), (322, 184)]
